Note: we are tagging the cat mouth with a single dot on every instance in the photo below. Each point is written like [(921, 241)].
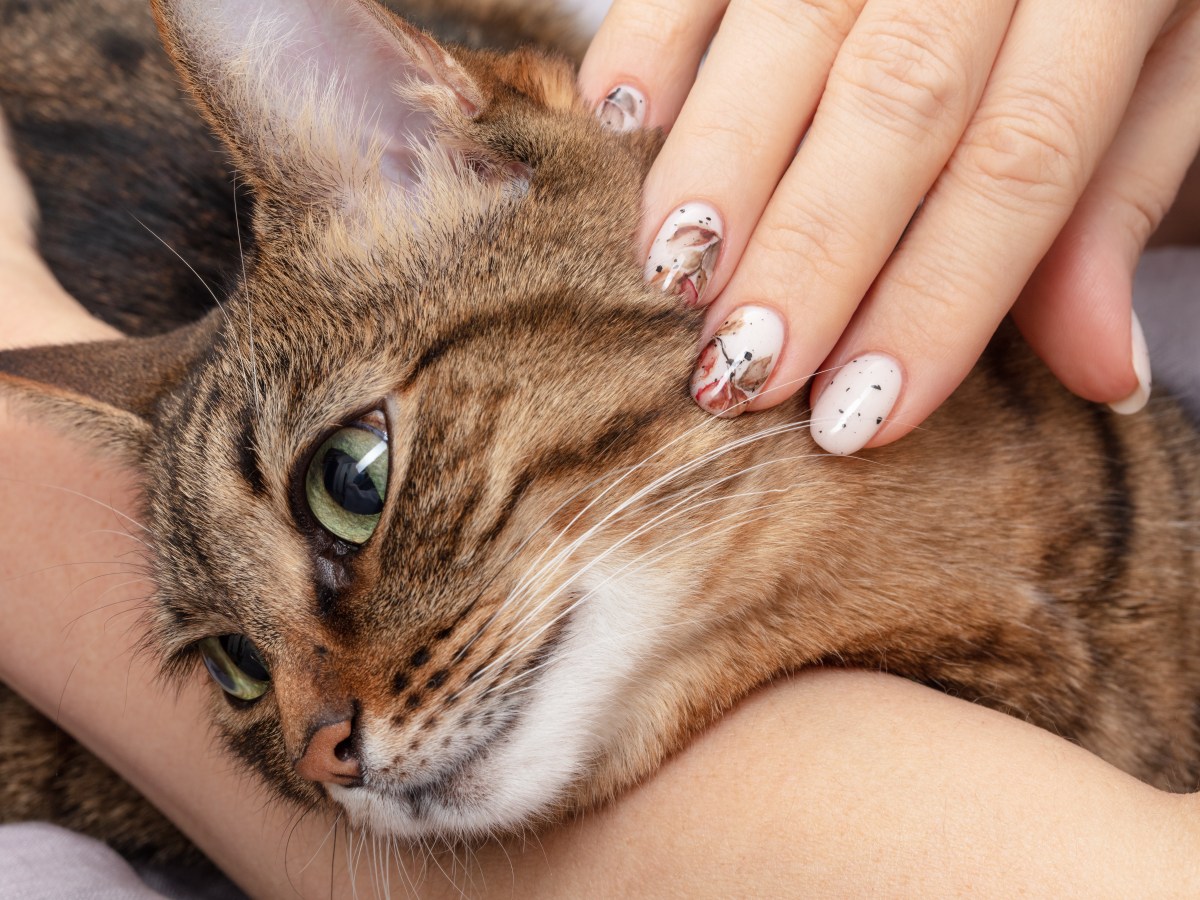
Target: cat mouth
[(455, 785), (469, 791)]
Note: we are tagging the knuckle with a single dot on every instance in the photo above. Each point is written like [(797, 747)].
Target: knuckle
[(741, 136), (1028, 152), (823, 246), (1141, 198), (832, 19), (905, 74), (651, 23)]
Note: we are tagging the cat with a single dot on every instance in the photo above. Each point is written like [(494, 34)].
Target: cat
[(427, 494)]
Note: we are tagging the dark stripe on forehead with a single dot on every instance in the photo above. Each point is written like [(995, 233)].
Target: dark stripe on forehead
[(544, 313), (247, 456), (616, 435)]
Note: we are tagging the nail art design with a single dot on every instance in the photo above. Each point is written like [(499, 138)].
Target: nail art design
[(737, 362), (624, 109), (856, 402), (684, 254), (1141, 367)]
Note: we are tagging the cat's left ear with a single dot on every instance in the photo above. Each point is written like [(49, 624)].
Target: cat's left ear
[(318, 99), (108, 392)]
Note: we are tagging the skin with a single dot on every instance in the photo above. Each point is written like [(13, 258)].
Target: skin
[(1047, 139), (831, 784)]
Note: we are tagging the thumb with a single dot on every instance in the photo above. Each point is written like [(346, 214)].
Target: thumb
[(1076, 311)]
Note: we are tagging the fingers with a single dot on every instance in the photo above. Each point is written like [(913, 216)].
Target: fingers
[(643, 60), (898, 98), (1055, 97), (735, 137), (1076, 311)]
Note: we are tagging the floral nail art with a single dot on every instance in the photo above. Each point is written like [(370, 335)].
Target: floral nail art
[(624, 109), (737, 362), (684, 254)]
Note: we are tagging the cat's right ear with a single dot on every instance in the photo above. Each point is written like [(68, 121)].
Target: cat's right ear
[(318, 100), (107, 392)]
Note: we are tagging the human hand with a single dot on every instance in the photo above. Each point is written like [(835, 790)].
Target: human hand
[(1046, 141)]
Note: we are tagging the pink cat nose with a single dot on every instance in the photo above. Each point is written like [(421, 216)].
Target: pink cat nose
[(329, 757)]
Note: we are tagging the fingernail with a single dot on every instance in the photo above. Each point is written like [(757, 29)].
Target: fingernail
[(737, 362), (1141, 367), (855, 404), (624, 109), (684, 254)]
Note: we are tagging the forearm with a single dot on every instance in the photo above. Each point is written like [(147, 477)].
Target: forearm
[(831, 783)]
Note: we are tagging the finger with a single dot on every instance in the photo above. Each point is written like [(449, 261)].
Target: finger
[(1064, 77), (735, 137), (898, 98), (1075, 312), (643, 59)]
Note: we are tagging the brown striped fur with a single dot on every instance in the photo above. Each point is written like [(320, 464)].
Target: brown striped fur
[(1025, 549)]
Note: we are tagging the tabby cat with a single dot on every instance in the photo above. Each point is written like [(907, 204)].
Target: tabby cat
[(428, 496)]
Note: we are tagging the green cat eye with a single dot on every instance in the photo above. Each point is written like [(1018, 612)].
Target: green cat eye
[(347, 482), (235, 664)]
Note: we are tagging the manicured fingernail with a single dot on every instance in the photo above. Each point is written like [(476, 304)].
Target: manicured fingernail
[(855, 403), (1141, 367), (737, 362), (684, 254), (624, 109)]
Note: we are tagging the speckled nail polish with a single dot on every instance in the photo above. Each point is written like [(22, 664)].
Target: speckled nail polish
[(737, 362), (854, 405), (684, 254), (1141, 367), (624, 109)]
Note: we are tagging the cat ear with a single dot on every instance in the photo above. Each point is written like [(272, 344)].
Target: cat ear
[(108, 391), (317, 98)]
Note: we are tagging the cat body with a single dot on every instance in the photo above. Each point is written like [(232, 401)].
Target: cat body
[(572, 569)]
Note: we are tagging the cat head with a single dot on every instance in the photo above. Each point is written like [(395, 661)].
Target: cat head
[(428, 496)]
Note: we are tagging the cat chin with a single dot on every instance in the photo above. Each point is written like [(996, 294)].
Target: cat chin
[(572, 714)]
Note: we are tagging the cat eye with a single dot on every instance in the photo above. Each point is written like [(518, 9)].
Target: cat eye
[(347, 480), (236, 665)]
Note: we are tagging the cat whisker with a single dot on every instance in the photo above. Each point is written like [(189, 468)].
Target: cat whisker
[(84, 562), (66, 629), (705, 423), (217, 300), (658, 520), (669, 514), (74, 493), (645, 559), (703, 460)]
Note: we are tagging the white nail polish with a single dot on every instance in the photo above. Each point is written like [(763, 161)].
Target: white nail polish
[(624, 109), (737, 362), (684, 254), (1141, 368), (855, 404)]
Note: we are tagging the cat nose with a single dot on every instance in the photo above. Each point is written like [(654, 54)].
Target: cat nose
[(330, 757)]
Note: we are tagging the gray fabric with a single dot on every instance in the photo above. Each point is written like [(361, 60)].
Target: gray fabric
[(44, 862), (39, 862), (1167, 297)]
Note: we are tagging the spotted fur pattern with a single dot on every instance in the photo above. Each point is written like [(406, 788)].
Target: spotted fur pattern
[(576, 569)]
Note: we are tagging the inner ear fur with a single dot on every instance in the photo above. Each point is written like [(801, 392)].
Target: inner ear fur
[(109, 391)]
